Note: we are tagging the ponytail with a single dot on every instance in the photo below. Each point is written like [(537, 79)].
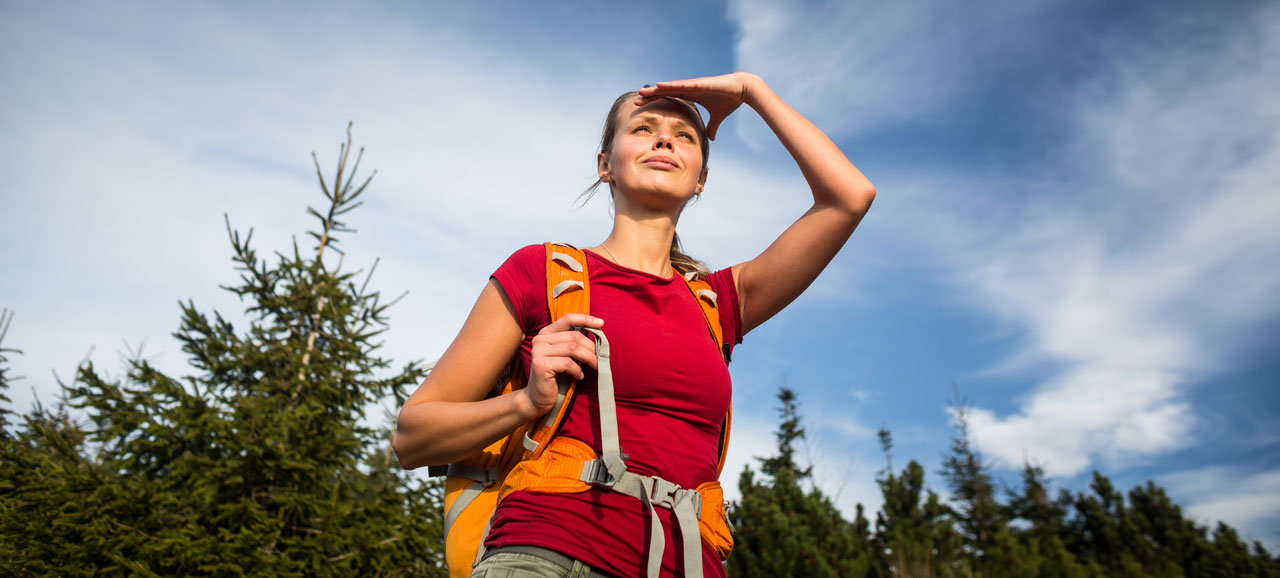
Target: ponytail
[(684, 264)]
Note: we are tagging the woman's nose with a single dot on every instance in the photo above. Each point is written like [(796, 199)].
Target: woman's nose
[(664, 141)]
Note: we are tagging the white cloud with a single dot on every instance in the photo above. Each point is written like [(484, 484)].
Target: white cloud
[(134, 128), (1123, 283), (855, 65), (1248, 501), (1153, 276), (131, 129)]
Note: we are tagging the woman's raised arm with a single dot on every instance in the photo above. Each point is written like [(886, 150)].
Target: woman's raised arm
[(841, 194)]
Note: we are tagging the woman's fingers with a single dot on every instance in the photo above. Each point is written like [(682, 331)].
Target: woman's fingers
[(580, 349), (560, 348), (720, 95), (568, 322), (560, 340), (554, 365)]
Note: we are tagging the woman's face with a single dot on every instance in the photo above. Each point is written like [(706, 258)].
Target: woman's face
[(655, 156)]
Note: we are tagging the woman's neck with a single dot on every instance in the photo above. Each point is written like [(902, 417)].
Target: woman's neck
[(643, 245)]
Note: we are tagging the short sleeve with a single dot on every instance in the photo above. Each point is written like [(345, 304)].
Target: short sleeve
[(722, 283), (523, 278)]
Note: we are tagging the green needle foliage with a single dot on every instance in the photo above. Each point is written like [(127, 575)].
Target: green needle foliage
[(784, 530), (258, 464), (914, 537), (6, 317)]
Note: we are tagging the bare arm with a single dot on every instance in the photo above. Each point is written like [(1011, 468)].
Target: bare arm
[(448, 417), (841, 194)]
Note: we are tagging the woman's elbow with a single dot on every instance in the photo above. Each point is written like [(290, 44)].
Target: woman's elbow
[(858, 199), (867, 195), (402, 445)]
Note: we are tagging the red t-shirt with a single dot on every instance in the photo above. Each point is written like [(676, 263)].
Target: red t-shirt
[(672, 389)]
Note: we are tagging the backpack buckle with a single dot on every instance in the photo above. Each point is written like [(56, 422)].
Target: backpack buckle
[(663, 493), (595, 473)]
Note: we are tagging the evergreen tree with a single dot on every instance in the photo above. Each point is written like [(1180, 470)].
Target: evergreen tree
[(1150, 537), (1042, 551), (257, 465), (914, 538), (783, 530), (6, 317), (981, 519)]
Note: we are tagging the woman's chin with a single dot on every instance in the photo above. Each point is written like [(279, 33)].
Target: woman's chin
[(658, 200)]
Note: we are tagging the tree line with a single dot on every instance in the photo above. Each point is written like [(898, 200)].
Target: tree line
[(260, 464), (786, 527)]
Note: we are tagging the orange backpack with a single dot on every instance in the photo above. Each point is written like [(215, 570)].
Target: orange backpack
[(534, 458)]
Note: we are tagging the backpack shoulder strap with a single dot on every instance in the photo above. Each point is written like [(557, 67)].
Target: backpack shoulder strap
[(568, 288), (708, 301), (568, 291)]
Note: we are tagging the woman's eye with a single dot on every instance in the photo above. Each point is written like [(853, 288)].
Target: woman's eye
[(685, 135), (641, 128)]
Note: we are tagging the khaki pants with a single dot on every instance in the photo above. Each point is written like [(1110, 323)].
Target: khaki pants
[(532, 562)]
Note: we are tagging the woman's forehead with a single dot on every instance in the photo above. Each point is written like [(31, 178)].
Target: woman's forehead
[(665, 107)]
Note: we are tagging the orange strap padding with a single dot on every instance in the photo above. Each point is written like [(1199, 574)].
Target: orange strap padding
[(559, 469), (711, 312), (568, 291)]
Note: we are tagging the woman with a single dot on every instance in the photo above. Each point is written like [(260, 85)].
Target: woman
[(671, 390)]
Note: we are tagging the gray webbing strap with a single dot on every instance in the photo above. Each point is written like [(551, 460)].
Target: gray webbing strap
[(685, 504), (657, 542), (481, 478), (611, 471), (562, 392), (486, 476), (467, 496), (563, 286), (567, 261), (611, 454)]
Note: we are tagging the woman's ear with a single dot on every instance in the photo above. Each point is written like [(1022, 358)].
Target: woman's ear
[(602, 167), (702, 181)]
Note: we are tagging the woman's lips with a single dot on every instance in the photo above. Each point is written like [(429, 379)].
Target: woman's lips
[(661, 162)]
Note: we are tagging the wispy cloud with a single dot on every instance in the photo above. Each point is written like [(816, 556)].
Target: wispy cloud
[(1126, 270), (1147, 270), (131, 129), (1247, 500), (857, 65)]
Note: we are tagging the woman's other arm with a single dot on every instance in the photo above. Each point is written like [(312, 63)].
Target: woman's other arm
[(448, 417), (841, 194)]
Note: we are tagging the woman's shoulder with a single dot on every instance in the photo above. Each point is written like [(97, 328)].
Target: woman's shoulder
[(534, 256), (525, 258), (529, 252)]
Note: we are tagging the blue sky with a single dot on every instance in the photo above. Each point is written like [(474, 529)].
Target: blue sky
[(1075, 220)]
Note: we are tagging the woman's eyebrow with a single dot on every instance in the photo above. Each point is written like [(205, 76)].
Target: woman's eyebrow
[(651, 117)]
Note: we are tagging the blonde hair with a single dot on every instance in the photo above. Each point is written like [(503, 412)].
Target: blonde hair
[(681, 262)]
